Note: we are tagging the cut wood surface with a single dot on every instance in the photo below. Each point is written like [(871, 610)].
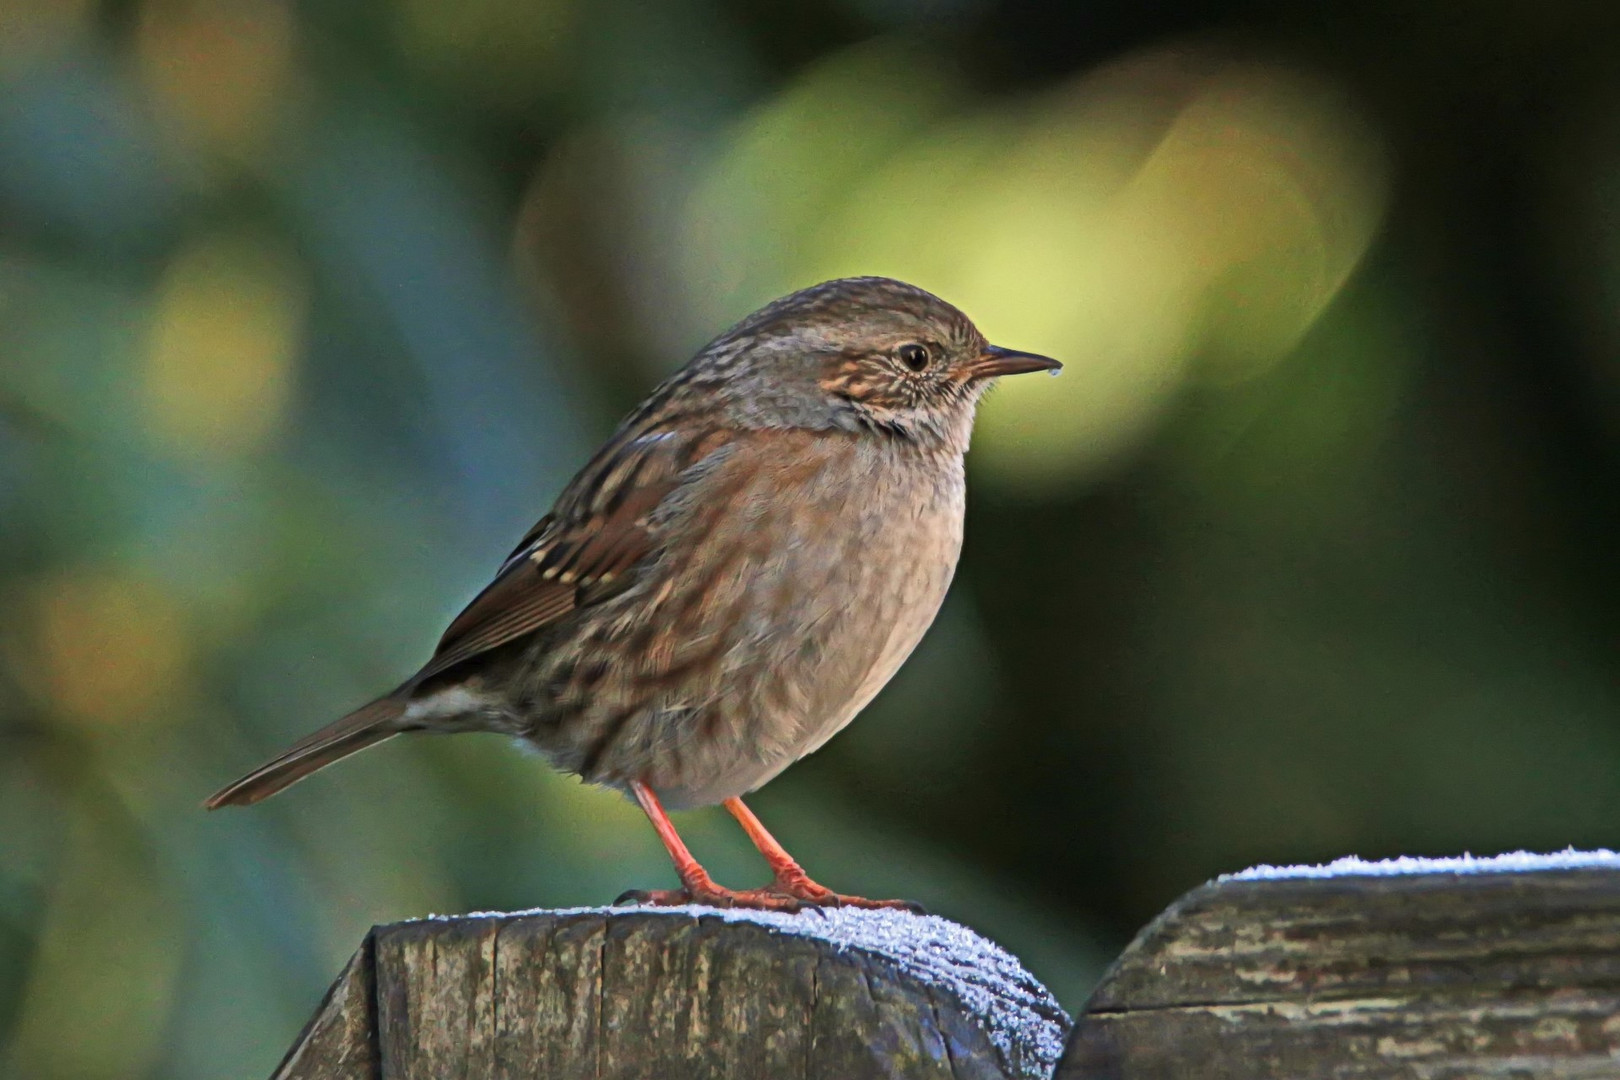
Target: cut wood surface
[(1481, 969), (694, 992)]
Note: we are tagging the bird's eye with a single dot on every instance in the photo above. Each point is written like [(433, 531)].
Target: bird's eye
[(914, 356)]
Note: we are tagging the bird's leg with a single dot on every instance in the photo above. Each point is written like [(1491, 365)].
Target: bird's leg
[(791, 880), (790, 876), (694, 879), (697, 887)]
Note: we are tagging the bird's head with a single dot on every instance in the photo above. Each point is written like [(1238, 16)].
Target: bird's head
[(863, 353)]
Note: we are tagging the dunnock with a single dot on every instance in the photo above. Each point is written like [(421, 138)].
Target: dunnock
[(729, 580)]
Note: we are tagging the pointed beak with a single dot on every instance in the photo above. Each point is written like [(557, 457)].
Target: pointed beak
[(997, 361)]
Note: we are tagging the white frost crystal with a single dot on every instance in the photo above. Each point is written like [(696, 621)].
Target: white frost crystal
[(1516, 862)]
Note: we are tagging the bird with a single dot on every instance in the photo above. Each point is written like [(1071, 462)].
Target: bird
[(728, 582)]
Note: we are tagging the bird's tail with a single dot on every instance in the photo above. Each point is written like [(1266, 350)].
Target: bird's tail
[(366, 725)]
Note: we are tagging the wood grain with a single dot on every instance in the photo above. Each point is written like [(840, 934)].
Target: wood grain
[(340, 1039), (627, 994), (1432, 976)]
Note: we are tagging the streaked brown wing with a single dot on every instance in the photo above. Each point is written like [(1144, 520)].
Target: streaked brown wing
[(598, 531), (514, 604), (526, 545)]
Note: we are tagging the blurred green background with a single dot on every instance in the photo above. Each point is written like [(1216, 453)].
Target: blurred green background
[(308, 310)]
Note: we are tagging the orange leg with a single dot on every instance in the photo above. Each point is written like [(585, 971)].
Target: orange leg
[(694, 879), (791, 880), (697, 887)]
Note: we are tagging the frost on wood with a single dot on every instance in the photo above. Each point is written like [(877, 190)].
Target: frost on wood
[(685, 991), (1024, 1023), (1516, 862), (1425, 968)]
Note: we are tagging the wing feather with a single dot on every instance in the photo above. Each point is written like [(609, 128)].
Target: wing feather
[(599, 531)]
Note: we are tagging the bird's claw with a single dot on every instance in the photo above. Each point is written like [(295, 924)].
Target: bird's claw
[(715, 896), (786, 896), (797, 884)]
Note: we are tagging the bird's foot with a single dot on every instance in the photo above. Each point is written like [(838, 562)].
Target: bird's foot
[(697, 887), (797, 884), (714, 896), (789, 892)]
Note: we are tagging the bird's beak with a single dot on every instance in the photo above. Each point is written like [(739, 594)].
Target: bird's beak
[(996, 361)]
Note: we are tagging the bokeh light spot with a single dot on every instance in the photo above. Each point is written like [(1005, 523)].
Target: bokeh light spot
[(219, 70), (225, 335), (108, 650), (1156, 220), (1215, 256), (761, 212)]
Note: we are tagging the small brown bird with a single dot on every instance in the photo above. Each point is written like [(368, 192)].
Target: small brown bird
[(731, 578)]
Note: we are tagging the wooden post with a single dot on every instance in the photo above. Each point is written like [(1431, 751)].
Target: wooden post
[(1415, 970), (1429, 970), (688, 993)]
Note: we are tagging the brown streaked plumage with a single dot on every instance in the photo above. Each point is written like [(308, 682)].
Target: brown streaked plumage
[(731, 578)]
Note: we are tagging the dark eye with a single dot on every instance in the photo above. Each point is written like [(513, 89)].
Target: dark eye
[(913, 356)]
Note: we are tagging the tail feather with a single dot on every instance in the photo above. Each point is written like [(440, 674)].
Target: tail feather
[(366, 725)]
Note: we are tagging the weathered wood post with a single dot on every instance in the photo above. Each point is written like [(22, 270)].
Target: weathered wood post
[(1418, 970), (688, 993)]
